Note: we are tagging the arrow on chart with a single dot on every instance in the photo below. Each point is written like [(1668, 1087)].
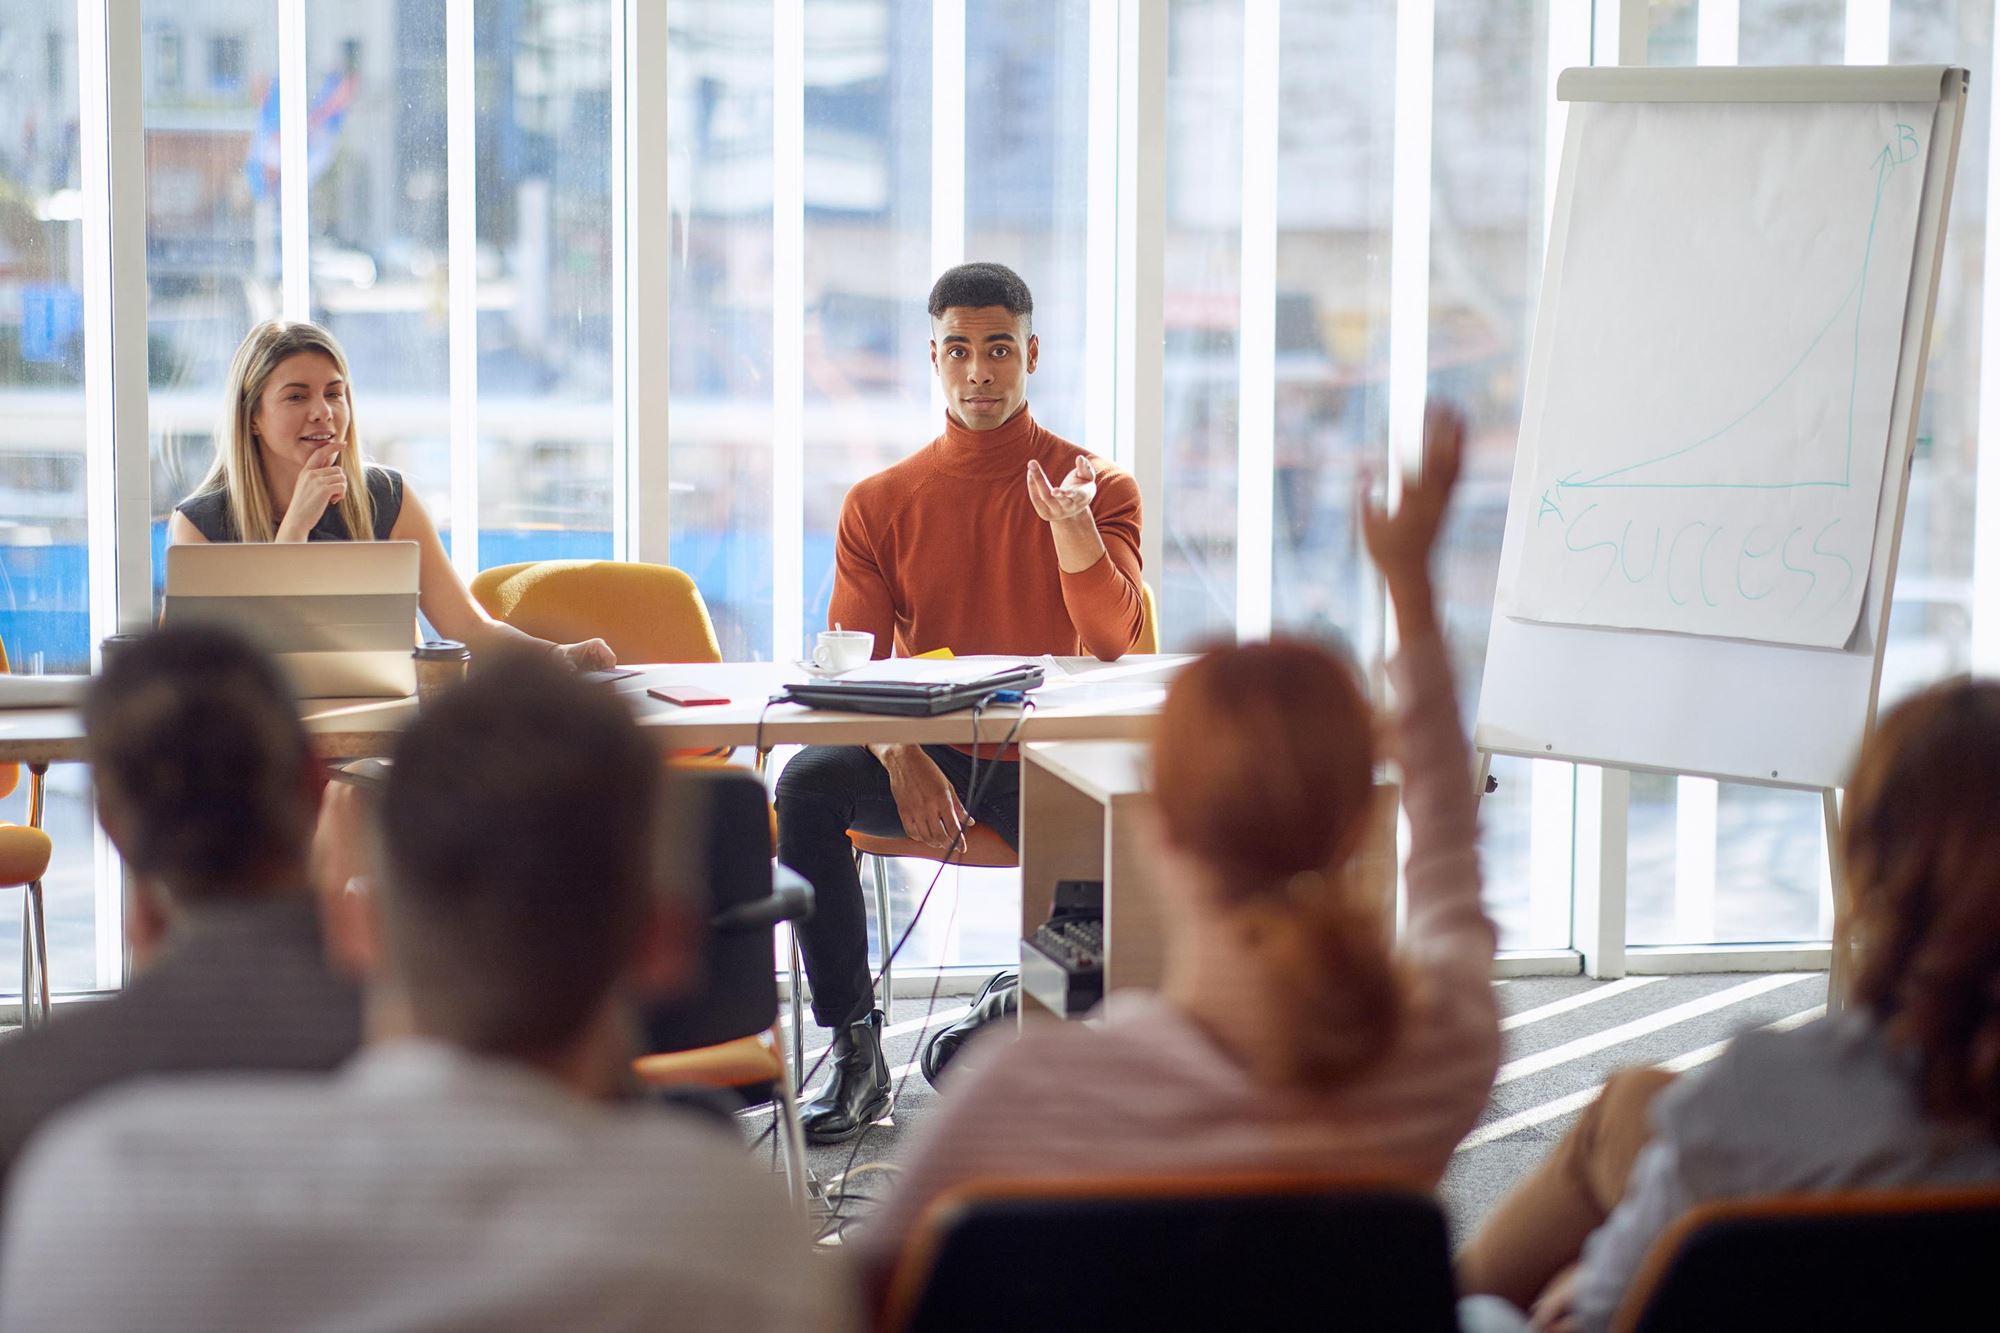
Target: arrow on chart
[(1903, 149)]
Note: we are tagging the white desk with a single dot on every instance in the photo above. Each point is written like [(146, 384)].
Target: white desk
[(1083, 811), (1095, 701)]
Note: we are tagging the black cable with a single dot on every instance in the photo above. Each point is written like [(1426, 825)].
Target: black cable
[(973, 793)]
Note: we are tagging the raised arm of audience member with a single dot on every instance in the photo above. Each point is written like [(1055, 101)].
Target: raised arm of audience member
[(1446, 933)]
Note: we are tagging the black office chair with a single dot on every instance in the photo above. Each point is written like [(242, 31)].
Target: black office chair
[(723, 1034), (1870, 1260), (1223, 1252)]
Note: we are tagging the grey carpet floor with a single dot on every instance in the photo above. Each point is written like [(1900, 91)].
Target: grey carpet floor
[(1561, 1036)]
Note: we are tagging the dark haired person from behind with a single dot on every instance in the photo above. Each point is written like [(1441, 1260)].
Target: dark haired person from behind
[(207, 788), (470, 1168), (998, 536), (1900, 1089)]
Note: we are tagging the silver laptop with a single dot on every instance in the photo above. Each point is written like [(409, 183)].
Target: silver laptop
[(339, 617)]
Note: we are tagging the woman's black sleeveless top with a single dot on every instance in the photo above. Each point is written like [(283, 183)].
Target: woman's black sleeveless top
[(209, 511)]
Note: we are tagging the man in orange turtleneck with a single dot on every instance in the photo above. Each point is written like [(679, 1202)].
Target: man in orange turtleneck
[(967, 544)]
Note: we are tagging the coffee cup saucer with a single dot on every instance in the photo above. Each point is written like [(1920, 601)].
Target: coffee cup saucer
[(812, 668)]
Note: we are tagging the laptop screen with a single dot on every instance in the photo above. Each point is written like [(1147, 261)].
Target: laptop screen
[(339, 617)]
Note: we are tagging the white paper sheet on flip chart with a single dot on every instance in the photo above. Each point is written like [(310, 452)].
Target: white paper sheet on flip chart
[(1708, 456)]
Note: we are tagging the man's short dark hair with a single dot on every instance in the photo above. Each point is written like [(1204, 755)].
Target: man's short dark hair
[(517, 856), (200, 763), (983, 284)]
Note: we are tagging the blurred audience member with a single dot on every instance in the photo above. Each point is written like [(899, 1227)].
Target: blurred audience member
[(1901, 1088), (207, 788), (468, 1169)]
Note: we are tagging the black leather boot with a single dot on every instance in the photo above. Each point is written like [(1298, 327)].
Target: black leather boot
[(857, 1094)]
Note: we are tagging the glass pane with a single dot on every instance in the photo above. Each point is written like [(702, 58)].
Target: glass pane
[(1336, 154), (1487, 177), (1791, 32), (1670, 31), (868, 258), (1027, 91), (210, 71), (375, 149), (1197, 583), (719, 81), (1930, 626), (44, 566), (546, 417)]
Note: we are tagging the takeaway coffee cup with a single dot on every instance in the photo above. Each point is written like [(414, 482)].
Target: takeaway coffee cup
[(441, 664), (842, 649), (114, 644)]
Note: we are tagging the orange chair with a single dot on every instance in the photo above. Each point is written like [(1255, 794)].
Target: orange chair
[(1188, 1250), (1860, 1259), (24, 858), (984, 849)]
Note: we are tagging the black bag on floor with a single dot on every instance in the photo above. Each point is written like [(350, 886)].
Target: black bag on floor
[(999, 998)]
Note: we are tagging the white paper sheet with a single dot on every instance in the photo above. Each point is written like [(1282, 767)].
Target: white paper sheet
[(1708, 455)]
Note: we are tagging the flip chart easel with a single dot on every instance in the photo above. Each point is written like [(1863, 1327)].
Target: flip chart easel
[(1735, 709)]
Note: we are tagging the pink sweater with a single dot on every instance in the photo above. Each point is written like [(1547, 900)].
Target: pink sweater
[(1147, 1090)]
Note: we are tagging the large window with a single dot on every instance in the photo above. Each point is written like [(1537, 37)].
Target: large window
[(213, 262), (547, 447), (376, 156), (44, 527), (1336, 239)]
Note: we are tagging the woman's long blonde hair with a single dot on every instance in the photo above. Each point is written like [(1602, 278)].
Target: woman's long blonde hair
[(238, 469)]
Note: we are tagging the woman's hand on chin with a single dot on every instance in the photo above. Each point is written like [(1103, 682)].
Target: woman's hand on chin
[(589, 655)]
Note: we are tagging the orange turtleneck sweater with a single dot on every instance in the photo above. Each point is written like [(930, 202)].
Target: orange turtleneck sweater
[(945, 550)]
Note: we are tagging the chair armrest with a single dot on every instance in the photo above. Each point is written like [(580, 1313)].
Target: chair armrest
[(791, 900)]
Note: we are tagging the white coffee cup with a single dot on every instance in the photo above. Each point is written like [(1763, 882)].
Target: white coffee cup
[(842, 649)]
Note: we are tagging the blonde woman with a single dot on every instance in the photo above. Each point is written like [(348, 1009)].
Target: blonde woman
[(289, 468)]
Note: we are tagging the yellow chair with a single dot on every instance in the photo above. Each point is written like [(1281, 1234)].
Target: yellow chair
[(24, 859), (984, 849), (647, 613)]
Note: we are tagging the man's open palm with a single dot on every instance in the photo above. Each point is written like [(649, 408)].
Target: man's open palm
[(1068, 500)]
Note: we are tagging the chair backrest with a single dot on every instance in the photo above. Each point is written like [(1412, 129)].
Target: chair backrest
[(726, 815), (1859, 1260), (647, 613), (1235, 1252), (10, 774), (1149, 622)]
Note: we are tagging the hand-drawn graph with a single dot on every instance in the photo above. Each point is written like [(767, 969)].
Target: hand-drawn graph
[(1708, 455)]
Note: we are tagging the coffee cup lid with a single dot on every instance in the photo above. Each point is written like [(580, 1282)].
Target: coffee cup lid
[(441, 650)]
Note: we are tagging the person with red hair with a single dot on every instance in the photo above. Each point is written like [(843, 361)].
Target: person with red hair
[(1288, 1033), (1899, 1089)]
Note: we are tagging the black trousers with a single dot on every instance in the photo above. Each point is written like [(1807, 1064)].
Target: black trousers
[(827, 790)]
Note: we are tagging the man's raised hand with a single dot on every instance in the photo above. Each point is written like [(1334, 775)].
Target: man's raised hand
[(1071, 499)]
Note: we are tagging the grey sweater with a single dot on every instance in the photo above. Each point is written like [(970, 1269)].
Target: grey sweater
[(1828, 1106)]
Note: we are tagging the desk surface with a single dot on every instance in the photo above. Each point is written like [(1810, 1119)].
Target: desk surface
[(1089, 700)]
